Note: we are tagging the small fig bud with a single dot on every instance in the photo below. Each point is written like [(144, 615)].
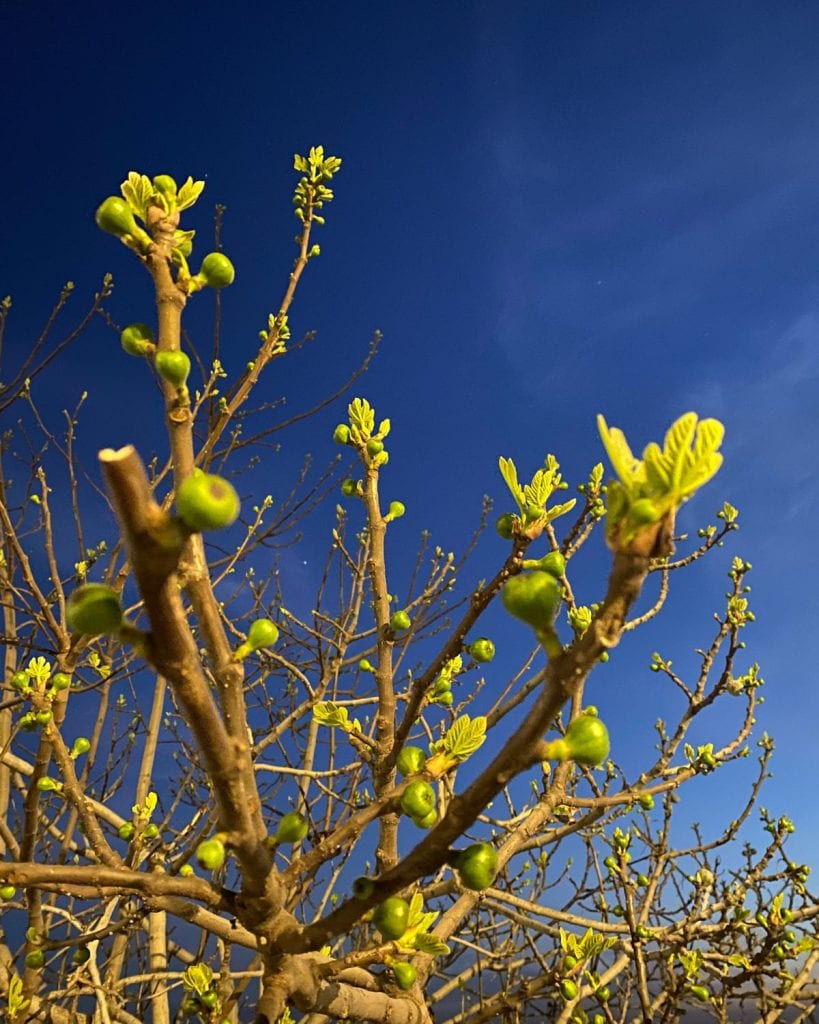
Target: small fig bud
[(349, 488), (341, 435), (81, 955), (126, 831), (81, 746), (35, 959), (7, 892), (165, 184), (61, 680)]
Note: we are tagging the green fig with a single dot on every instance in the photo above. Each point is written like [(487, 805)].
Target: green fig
[(150, 832), (61, 680), (363, 887), (126, 831), (165, 184), (93, 609), (349, 488), (211, 854), (217, 270), (482, 649), (533, 598), (395, 511), (646, 801), (174, 367), (568, 989), (410, 761), (114, 216), (586, 742), (391, 917), (292, 828), (137, 340), (418, 799), (207, 502), (505, 526), (554, 563), (35, 959), (341, 435), (400, 622), (7, 892), (405, 975), (81, 955), (262, 633), (477, 866), (428, 820)]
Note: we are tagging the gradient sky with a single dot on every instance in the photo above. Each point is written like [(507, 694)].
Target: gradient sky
[(550, 209)]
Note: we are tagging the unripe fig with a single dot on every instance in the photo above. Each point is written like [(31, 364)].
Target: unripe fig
[(174, 367), (217, 270), (391, 917), (568, 989), (533, 598), (482, 649), (114, 216), (205, 501), (43, 717), (405, 975), (445, 700), (396, 510), (363, 887), (186, 871), (603, 994), (418, 799), (646, 801), (209, 999), (374, 446), (400, 622), (505, 525), (93, 609), (61, 680), (150, 832), (211, 854), (137, 340), (262, 633), (126, 831), (35, 959), (477, 866), (7, 892), (611, 862), (428, 820), (410, 761), (700, 992), (20, 681), (292, 828), (341, 435), (554, 563), (588, 740), (165, 184), (642, 879), (349, 488), (81, 955)]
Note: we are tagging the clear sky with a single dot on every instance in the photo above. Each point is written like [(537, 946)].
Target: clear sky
[(551, 209)]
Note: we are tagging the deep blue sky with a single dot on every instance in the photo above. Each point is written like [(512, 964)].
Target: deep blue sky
[(550, 209)]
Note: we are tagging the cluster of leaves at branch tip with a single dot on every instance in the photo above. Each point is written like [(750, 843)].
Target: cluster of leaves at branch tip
[(360, 433), (532, 516), (652, 488), (157, 203), (198, 982)]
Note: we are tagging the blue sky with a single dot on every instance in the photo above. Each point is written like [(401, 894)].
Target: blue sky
[(550, 209)]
